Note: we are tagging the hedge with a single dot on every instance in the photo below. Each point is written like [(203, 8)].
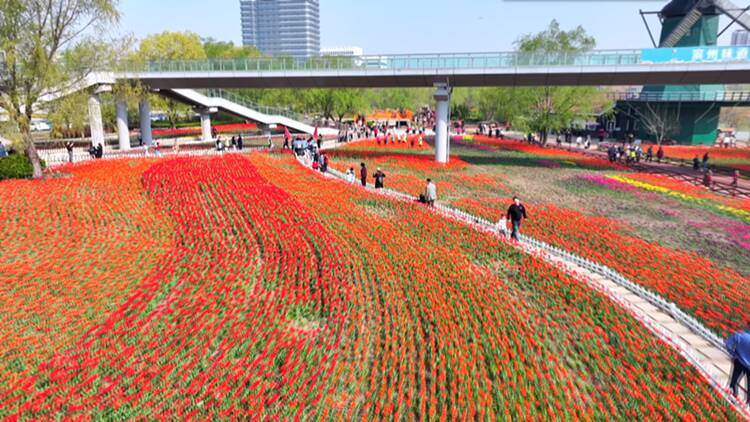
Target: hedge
[(16, 166)]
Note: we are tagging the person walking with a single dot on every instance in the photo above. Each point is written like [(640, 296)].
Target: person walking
[(738, 346), (379, 179), (705, 162), (69, 146), (515, 214), (430, 193), (650, 154), (708, 179), (350, 178), (696, 163), (659, 154), (239, 141), (363, 174), (612, 153)]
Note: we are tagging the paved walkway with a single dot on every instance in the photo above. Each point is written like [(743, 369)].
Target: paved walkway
[(709, 359)]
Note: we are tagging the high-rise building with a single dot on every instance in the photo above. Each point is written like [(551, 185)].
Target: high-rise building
[(282, 27), (740, 37)]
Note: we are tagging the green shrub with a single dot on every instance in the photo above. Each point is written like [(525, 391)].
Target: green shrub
[(16, 166)]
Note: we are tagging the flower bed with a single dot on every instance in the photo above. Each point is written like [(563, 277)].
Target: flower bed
[(189, 131), (713, 293), (735, 158), (284, 295)]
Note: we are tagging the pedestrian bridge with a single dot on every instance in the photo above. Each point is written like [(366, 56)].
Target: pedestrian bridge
[(653, 66)]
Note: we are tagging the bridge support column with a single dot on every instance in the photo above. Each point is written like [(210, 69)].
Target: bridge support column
[(95, 119), (442, 118), (123, 132), (144, 110), (205, 113)]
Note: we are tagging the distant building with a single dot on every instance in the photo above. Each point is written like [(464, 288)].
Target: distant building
[(282, 27), (342, 52), (740, 37), (355, 53)]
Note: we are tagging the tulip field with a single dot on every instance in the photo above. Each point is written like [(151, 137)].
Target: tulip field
[(687, 244), (733, 158), (249, 287)]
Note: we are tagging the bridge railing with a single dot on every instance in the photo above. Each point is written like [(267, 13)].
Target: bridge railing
[(245, 102), (394, 62), (717, 96)]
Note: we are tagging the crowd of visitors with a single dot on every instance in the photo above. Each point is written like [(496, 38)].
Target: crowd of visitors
[(632, 153)]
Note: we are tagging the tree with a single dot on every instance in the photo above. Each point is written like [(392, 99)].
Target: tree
[(347, 101), (168, 46), (49, 45), (227, 50), (661, 120), (546, 109), (66, 116), (398, 98)]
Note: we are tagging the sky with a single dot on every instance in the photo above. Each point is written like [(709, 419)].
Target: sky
[(413, 26)]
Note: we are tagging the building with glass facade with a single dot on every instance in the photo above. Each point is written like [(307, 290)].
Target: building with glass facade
[(282, 27)]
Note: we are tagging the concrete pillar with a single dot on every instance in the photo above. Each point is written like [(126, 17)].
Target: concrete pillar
[(95, 119), (123, 132), (206, 126), (442, 118), (206, 135), (144, 109)]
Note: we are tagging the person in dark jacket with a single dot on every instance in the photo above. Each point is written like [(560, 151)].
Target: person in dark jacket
[(363, 174), (379, 179), (696, 163), (68, 146), (99, 151), (239, 142), (738, 346), (516, 213)]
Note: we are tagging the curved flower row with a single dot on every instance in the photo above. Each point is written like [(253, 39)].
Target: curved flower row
[(655, 183), (71, 250), (713, 293), (494, 333), (286, 296)]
